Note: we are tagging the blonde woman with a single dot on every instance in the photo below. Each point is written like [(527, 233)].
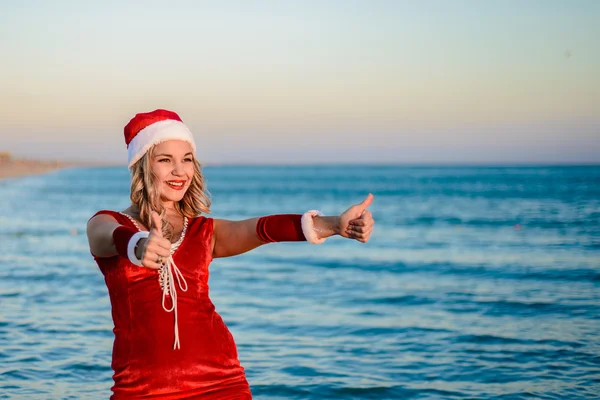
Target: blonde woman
[(169, 341)]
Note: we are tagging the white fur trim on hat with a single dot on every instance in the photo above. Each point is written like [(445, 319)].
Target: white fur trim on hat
[(156, 133)]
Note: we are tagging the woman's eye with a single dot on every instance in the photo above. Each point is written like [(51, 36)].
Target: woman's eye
[(187, 159), (163, 160)]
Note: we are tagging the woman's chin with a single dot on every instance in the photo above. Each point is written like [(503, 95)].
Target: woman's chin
[(172, 196)]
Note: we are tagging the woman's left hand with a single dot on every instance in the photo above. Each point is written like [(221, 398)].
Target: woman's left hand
[(357, 222)]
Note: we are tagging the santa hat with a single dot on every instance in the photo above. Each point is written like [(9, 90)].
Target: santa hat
[(147, 129)]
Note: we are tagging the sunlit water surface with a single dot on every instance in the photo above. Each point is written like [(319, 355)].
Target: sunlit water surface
[(478, 283)]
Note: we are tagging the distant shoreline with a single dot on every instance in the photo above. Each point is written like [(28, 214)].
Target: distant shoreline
[(17, 168)]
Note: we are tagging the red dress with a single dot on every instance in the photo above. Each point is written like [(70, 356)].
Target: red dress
[(145, 364)]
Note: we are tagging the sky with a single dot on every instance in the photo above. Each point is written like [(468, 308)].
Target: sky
[(461, 82)]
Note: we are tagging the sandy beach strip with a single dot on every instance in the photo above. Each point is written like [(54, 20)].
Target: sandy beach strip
[(15, 168)]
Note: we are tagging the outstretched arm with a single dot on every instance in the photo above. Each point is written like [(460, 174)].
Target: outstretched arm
[(231, 238)]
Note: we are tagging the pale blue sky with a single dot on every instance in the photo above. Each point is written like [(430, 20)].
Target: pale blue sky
[(312, 81)]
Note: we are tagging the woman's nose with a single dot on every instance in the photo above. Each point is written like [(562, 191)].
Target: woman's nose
[(177, 168)]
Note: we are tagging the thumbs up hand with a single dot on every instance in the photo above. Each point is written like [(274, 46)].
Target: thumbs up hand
[(357, 222), (156, 249)]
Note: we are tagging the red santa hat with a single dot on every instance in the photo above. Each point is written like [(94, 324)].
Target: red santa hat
[(147, 129)]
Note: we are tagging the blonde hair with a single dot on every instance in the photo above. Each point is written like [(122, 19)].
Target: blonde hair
[(146, 198)]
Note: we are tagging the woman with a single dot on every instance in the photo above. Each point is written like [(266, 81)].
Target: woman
[(169, 341)]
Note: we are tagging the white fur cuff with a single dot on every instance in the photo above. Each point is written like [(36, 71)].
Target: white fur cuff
[(308, 226), (131, 247)]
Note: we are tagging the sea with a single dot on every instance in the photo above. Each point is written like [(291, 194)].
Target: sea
[(477, 283)]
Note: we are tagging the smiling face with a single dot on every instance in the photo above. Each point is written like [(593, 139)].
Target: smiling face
[(173, 166)]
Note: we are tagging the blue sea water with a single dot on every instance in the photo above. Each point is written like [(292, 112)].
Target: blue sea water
[(478, 283)]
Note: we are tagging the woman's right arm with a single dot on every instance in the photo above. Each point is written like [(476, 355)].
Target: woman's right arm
[(100, 231), (100, 235)]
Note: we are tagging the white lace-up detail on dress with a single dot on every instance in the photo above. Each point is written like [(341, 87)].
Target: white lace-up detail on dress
[(167, 283), (166, 278)]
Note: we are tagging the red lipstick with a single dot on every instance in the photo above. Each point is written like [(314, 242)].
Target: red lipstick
[(176, 184)]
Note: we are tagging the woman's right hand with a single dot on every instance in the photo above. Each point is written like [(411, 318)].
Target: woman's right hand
[(155, 249)]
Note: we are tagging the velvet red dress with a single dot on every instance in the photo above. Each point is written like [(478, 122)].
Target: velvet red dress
[(144, 362)]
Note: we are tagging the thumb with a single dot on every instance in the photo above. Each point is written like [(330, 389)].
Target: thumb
[(156, 227), (366, 202)]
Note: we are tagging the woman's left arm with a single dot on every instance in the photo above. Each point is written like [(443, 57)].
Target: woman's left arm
[(231, 238)]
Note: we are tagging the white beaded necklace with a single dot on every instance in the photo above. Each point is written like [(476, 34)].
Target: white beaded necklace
[(166, 274)]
